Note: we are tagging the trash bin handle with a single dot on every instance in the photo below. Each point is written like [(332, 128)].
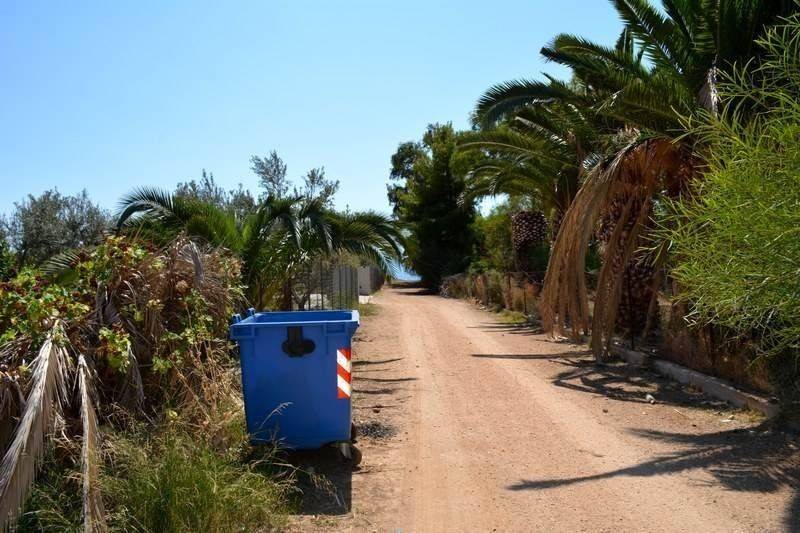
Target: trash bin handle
[(295, 345)]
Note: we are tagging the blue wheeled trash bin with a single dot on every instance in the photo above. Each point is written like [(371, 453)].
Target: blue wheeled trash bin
[(296, 375)]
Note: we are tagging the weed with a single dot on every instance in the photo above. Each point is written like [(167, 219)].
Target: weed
[(367, 309), (512, 317), (173, 482)]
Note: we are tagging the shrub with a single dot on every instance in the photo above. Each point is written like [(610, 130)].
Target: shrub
[(736, 239), (493, 233), (139, 328)]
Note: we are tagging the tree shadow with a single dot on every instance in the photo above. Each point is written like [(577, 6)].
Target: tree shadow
[(626, 383), (380, 362), (514, 329), (416, 291), (384, 390), (387, 380), (521, 357), (758, 461)]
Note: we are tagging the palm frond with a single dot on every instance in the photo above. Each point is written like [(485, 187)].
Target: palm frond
[(149, 201), (369, 235), (620, 57), (504, 98), (133, 387), (165, 215), (60, 263), (47, 395), (655, 31), (93, 509)]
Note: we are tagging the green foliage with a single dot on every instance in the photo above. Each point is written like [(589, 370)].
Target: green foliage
[(122, 298), (735, 239), (317, 186), (7, 259), (493, 241), (369, 309), (30, 302), (512, 317), (55, 502), (139, 329), (167, 479), (494, 249), (620, 117), (429, 182), (114, 346), (276, 242), (43, 226), (239, 201), (271, 172)]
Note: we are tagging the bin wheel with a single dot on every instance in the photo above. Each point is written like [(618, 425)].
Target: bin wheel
[(350, 453), (355, 456)]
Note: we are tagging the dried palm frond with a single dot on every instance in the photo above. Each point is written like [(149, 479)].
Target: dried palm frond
[(93, 510), (46, 397), (637, 173), (565, 301), (11, 404), (133, 389), (189, 250)]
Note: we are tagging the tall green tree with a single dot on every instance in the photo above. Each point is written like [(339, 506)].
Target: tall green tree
[(317, 185), (426, 189), (239, 200), (271, 172), (45, 225)]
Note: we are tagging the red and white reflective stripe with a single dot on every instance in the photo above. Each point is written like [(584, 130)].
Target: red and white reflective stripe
[(343, 372)]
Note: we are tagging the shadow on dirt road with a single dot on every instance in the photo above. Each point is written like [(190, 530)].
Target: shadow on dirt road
[(758, 461)]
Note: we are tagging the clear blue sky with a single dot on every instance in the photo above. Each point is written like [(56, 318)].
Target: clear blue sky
[(111, 95)]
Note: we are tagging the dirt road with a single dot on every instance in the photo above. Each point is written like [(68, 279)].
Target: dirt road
[(475, 425)]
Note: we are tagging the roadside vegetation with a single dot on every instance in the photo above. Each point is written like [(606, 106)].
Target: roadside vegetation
[(661, 170), (121, 408), (736, 237)]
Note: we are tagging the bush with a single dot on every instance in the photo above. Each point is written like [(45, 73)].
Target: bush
[(7, 260), (123, 331), (45, 225), (493, 233), (736, 238)]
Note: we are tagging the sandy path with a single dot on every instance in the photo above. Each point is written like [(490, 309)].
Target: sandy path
[(500, 429)]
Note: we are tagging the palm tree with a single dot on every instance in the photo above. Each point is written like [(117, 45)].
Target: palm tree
[(539, 138), (686, 47), (275, 242), (663, 68), (538, 154)]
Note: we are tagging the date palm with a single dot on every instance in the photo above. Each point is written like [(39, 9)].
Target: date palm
[(663, 68), (275, 242), (539, 138)]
